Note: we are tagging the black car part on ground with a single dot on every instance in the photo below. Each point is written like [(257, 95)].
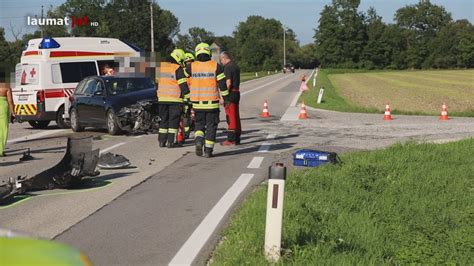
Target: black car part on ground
[(113, 161), (79, 161), (139, 117)]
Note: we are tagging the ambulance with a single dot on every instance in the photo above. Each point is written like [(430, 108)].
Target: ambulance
[(50, 69)]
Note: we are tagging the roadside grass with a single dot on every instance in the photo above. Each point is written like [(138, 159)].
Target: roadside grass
[(408, 92), (409, 203), (246, 76)]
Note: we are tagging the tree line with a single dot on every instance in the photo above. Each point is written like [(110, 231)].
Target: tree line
[(424, 35)]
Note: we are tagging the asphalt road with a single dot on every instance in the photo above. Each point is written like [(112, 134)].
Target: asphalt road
[(154, 213)]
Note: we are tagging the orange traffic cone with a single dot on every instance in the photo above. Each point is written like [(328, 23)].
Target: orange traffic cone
[(303, 113), (388, 115), (180, 137), (444, 113), (265, 112)]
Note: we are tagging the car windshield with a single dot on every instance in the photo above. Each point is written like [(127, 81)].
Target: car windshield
[(117, 86)]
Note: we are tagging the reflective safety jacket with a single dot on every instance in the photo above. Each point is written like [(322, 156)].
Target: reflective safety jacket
[(206, 80), (172, 84)]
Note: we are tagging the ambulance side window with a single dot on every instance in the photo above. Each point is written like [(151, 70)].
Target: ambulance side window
[(77, 71)]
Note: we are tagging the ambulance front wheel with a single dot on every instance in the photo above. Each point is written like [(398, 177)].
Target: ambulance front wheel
[(75, 125), (39, 124)]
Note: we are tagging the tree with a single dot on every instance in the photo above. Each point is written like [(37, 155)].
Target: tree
[(454, 46), (341, 34), (125, 19), (194, 36), (421, 22), (260, 43)]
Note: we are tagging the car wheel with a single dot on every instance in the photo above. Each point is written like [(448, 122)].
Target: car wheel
[(75, 125), (60, 121), (112, 126), (39, 124)]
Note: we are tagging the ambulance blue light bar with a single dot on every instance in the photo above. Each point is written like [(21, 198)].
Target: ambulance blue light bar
[(48, 43)]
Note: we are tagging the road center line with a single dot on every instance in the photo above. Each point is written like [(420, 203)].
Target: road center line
[(35, 136), (263, 86), (112, 147), (255, 163), (194, 244)]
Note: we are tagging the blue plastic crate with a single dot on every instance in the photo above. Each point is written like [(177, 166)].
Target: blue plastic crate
[(313, 158)]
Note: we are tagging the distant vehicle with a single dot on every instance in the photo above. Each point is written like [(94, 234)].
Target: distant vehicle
[(288, 68), (115, 103), (50, 69)]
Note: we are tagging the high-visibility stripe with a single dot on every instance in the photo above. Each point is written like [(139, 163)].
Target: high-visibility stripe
[(172, 130), (163, 130), (183, 80), (209, 144), (225, 92), (221, 76), (170, 100), (199, 133), (166, 75), (205, 106)]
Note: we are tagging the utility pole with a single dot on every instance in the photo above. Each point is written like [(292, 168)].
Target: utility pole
[(42, 22), (284, 45), (151, 27)]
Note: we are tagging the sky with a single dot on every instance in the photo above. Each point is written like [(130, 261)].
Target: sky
[(222, 16)]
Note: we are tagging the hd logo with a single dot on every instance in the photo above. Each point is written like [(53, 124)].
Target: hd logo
[(25, 109)]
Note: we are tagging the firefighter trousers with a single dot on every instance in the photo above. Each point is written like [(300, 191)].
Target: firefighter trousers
[(206, 126), (170, 114), (234, 128)]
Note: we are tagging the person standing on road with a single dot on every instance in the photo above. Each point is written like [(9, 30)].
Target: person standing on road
[(232, 75), (7, 113), (207, 79), (187, 117), (172, 92)]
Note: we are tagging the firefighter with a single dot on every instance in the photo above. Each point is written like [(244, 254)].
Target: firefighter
[(172, 92), (188, 123), (207, 79), (232, 74)]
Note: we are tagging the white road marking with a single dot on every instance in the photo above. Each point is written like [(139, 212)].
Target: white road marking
[(35, 136), (292, 112), (263, 86), (201, 234), (271, 136), (265, 147), (255, 163), (112, 147)]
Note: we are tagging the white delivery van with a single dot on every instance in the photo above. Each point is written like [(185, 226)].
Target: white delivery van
[(50, 69)]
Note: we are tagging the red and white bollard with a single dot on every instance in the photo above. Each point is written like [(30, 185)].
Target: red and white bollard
[(274, 220)]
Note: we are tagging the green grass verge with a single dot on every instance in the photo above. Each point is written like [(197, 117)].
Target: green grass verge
[(246, 76), (333, 101), (409, 203)]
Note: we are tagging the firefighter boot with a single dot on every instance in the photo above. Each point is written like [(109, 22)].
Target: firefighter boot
[(162, 137), (208, 152), (199, 145), (171, 141)]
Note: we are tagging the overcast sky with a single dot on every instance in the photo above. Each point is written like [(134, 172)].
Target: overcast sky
[(222, 16)]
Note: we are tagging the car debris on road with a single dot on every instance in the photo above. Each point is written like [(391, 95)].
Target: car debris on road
[(78, 162)]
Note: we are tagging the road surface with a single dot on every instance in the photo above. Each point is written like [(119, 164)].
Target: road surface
[(171, 205)]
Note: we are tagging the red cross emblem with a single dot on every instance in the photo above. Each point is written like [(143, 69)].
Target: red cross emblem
[(32, 72)]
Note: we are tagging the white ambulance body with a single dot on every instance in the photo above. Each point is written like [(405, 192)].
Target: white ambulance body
[(50, 69)]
